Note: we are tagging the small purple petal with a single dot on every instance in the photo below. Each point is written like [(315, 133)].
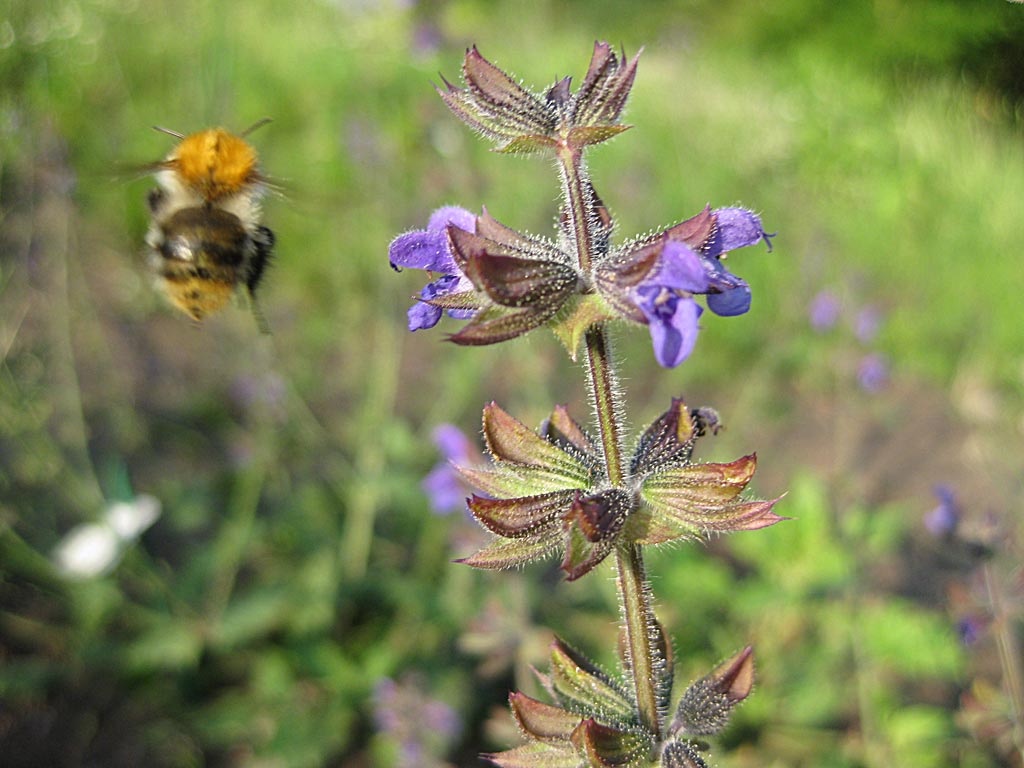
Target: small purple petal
[(672, 321), (422, 316), (428, 249), (735, 301), (680, 268), (719, 277), (451, 214), (824, 311), (737, 228), (422, 250)]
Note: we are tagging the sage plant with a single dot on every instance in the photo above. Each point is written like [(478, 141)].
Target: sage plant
[(563, 489)]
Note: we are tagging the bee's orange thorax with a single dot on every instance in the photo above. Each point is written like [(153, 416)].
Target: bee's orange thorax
[(215, 163)]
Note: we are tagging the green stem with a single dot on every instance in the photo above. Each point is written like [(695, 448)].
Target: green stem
[(639, 619), (366, 493), (577, 193), (632, 579), (603, 386)]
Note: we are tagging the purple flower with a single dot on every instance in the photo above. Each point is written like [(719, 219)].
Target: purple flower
[(666, 299), (735, 228), (654, 280), (873, 372), (943, 520), (824, 311), (429, 249), (444, 486), (421, 728)]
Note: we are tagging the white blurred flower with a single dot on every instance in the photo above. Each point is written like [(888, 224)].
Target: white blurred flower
[(93, 549)]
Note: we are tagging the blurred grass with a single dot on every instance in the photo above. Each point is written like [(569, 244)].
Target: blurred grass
[(296, 564)]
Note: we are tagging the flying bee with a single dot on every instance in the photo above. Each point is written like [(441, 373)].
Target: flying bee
[(205, 239)]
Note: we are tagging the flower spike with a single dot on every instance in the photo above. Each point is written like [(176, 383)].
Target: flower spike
[(558, 491)]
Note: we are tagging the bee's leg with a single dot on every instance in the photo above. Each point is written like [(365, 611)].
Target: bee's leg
[(263, 246)]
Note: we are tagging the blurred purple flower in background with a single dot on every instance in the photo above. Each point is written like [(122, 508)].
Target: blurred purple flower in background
[(444, 487), (970, 628), (422, 728), (873, 372), (824, 311), (943, 520)]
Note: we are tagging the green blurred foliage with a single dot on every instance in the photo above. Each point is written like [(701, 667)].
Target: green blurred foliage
[(295, 565)]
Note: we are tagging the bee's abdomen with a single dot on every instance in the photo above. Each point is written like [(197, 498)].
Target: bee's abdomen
[(202, 255), (205, 237)]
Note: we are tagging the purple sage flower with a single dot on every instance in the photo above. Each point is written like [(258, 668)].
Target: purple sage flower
[(943, 520), (444, 487), (429, 249), (824, 311), (676, 264)]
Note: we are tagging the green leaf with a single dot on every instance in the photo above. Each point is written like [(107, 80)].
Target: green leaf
[(543, 721), (506, 553), (575, 679), (586, 136), (520, 517), (510, 480), (539, 754), (170, 644), (510, 440), (562, 429), (700, 484), (578, 315), (494, 325), (608, 747), (583, 555), (528, 145)]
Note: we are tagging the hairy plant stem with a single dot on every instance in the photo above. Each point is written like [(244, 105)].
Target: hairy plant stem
[(639, 619), (632, 579)]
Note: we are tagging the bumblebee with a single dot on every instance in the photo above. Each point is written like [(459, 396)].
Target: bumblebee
[(205, 239)]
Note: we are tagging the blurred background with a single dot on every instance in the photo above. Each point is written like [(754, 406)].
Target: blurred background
[(215, 549)]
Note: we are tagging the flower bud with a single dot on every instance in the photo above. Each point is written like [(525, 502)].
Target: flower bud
[(706, 706)]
